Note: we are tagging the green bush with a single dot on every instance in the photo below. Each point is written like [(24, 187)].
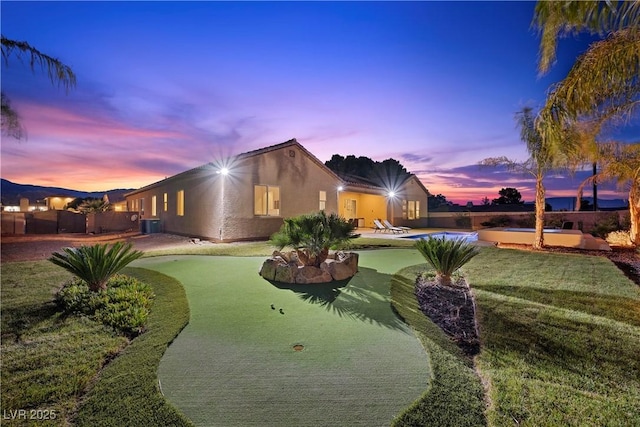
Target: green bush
[(463, 221), (497, 221), (96, 264), (528, 221), (313, 234), (446, 256), (124, 305), (606, 225), (554, 221)]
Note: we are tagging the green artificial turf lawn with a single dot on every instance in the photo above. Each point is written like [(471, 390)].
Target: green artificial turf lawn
[(234, 364)]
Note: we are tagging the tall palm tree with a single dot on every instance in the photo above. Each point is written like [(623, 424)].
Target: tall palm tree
[(604, 82), (541, 160), (621, 163), (56, 71)]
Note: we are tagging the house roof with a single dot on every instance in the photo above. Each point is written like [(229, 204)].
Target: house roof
[(248, 154), (349, 182)]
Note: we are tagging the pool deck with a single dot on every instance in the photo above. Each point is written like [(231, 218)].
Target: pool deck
[(492, 236), (370, 232)]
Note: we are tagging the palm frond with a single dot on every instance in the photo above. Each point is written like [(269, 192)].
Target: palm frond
[(96, 264), (313, 234), (55, 69), (11, 124), (445, 256), (556, 19)]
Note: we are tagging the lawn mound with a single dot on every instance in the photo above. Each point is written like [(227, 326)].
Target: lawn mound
[(452, 308)]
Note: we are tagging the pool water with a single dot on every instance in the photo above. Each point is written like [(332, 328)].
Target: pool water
[(448, 235)]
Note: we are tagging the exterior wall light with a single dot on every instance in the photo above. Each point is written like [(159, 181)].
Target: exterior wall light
[(224, 171)]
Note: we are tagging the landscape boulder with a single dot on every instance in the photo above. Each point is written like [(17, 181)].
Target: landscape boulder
[(285, 267)]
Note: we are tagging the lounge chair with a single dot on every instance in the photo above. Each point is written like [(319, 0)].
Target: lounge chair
[(391, 226), (385, 228), (567, 225), (377, 226)]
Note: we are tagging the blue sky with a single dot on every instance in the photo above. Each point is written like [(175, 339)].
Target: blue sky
[(166, 86)]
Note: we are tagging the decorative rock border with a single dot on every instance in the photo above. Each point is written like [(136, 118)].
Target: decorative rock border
[(285, 267)]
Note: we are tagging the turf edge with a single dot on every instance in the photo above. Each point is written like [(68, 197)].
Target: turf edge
[(455, 395), (127, 392)]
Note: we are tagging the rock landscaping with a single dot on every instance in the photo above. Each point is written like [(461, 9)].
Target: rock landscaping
[(286, 267)]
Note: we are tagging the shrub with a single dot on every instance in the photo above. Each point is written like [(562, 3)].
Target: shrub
[(606, 225), (497, 221), (96, 264), (528, 221), (619, 238), (554, 221), (463, 221), (312, 235), (124, 305), (445, 256)]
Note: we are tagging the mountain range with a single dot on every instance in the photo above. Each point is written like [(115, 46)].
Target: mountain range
[(11, 193)]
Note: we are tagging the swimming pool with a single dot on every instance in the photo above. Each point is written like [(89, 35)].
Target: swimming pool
[(448, 235)]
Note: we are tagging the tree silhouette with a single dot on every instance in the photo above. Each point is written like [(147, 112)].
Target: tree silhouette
[(508, 196)]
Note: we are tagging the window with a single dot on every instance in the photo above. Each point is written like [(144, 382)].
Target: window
[(404, 209), (180, 203), (413, 209), (154, 210), (165, 202), (266, 200), (142, 206), (323, 200)]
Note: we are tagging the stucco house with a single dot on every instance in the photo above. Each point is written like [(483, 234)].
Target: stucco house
[(246, 197)]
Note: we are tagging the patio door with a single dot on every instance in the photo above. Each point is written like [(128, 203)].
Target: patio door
[(350, 208)]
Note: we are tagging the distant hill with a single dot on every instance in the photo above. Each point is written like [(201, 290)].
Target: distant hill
[(11, 193)]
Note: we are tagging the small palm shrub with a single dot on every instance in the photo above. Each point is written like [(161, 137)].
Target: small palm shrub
[(124, 305), (445, 256), (96, 264), (311, 235)]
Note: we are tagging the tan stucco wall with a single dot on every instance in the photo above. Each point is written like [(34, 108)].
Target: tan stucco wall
[(58, 202), (368, 206), (222, 207), (411, 190), (526, 236), (201, 190), (299, 178)]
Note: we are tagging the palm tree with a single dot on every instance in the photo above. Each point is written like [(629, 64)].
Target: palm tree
[(96, 264), (94, 205), (604, 83), (312, 235), (446, 256), (621, 162), (56, 71), (541, 160)]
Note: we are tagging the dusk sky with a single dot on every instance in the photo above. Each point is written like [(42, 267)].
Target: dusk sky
[(163, 87)]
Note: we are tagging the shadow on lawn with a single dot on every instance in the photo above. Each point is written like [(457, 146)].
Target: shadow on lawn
[(613, 307), (364, 297), (19, 320), (542, 337)]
